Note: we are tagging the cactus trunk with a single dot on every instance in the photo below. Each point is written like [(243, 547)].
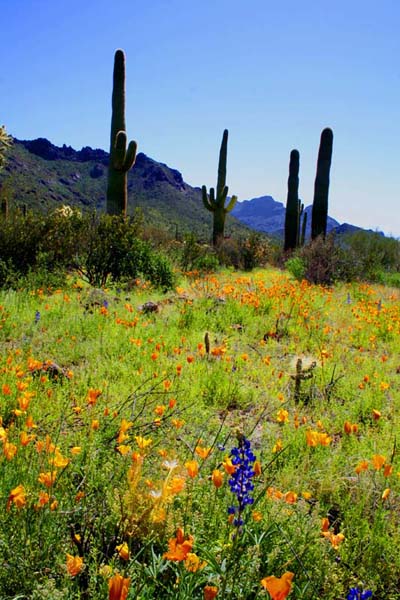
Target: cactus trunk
[(292, 203), (215, 202), (321, 186), (121, 158)]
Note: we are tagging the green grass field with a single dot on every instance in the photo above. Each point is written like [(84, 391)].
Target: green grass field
[(117, 426)]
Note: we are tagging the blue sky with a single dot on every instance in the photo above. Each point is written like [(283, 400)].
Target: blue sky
[(274, 74)]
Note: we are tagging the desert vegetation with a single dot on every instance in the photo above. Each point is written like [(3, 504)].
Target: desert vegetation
[(191, 420), (234, 437)]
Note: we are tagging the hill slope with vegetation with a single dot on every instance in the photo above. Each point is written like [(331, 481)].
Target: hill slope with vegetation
[(43, 176)]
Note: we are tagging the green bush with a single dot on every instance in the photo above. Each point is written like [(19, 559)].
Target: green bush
[(372, 254), (113, 251), (296, 267), (40, 248)]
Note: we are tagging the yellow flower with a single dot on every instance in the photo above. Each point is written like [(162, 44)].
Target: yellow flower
[(123, 449), (123, 551), (142, 442), (9, 450), (278, 446), (282, 416), (59, 460), (193, 563), (385, 493)]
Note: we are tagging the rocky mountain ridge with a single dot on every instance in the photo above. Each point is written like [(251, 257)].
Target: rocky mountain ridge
[(42, 176)]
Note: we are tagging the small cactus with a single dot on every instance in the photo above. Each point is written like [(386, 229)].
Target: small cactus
[(215, 202), (301, 375), (122, 158)]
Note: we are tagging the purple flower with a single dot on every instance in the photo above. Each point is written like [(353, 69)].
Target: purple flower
[(240, 481), (357, 594)]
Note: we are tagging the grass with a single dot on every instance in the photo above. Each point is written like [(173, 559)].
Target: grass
[(115, 462)]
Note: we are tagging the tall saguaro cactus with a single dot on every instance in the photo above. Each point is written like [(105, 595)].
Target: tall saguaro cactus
[(292, 214), (321, 186), (121, 158), (215, 202)]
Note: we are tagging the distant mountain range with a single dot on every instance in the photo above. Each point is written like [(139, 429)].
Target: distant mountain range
[(42, 176), (268, 215)]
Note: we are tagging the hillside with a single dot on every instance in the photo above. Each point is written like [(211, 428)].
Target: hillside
[(42, 176)]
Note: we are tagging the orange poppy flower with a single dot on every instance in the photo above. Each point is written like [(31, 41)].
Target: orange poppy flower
[(378, 460), (192, 467), (210, 592), (118, 587), (278, 587), (202, 452), (17, 496), (179, 547), (74, 564), (217, 478)]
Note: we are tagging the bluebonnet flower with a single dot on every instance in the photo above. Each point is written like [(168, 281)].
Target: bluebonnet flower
[(240, 482), (357, 594), (37, 316), (105, 303)]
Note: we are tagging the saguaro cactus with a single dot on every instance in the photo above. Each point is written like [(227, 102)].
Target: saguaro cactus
[(321, 186), (121, 158), (292, 214), (215, 202)]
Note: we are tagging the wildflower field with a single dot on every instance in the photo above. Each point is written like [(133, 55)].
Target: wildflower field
[(239, 441)]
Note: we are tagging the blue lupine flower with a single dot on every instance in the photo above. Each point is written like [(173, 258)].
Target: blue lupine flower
[(357, 594), (240, 481), (37, 316), (105, 303)]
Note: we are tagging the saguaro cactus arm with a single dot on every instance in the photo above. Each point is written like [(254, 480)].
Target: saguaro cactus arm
[(124, 159)]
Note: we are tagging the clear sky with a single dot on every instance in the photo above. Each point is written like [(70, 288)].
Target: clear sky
[(273, 73)]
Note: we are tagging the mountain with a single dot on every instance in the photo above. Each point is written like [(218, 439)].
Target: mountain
[(267, 215), (44, 176)]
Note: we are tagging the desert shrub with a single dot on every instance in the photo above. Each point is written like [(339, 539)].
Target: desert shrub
[(229, 253), (325, 262), (113, 250), (44, 248), (372, 254), (245, 253), (296, 267), (196, 256)]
